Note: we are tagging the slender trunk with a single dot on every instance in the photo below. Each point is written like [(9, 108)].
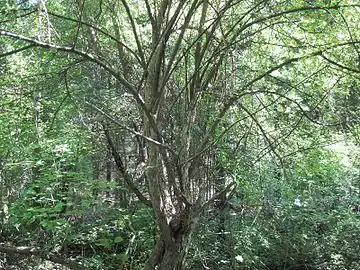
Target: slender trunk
[(173, 257), (169, 254)]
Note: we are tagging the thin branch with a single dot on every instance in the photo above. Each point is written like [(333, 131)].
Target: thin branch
[(79, 23), (133, 26), (278, 141), (236, 97), (225, 132), (97, 29), (20, 16), (122, 169), (228, 189), (271, 144), (54, 48), (130, 88), (289, 11), (151, 16), (352, 38), (340, 65), (97, 16), (232, 100), (178, 42), (136, 133), (17, 50), (264, 19), (172, 64), (58, 110)]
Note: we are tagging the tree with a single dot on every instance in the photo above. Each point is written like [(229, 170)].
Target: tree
[(168, 74)]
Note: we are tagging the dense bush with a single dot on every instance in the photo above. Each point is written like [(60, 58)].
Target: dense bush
[(300, 220)]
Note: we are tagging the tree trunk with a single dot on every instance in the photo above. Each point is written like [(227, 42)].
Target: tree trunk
[(169, 254), (174, 255)]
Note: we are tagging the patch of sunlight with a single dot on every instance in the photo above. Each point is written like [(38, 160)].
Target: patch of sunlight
[(346, 150)]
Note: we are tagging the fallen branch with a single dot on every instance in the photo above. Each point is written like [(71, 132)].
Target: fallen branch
[(33, 251)]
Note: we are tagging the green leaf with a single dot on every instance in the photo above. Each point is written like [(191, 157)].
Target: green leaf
[(118, 239)]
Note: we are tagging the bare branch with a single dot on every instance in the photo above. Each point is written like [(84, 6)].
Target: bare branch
[(20, 16), (151, 16), (106, 115), (340, 65), (227, 190), (231, 101), (136, 36), (17, 50), (79, 23), (90, 57), (122, 169), (271, 144), (97, 29)]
